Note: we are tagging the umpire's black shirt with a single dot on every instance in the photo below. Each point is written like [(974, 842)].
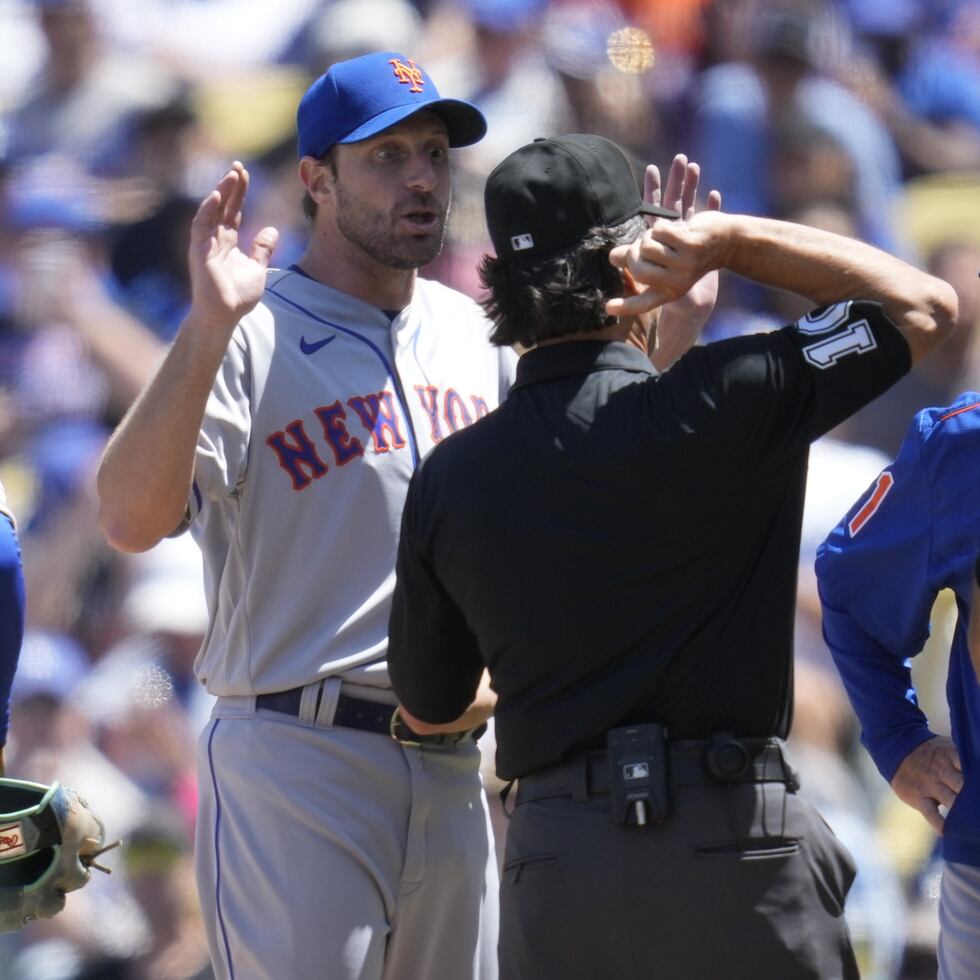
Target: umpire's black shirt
[(621, 547)]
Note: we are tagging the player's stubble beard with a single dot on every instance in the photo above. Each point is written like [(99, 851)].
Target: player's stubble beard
[(374, 232)]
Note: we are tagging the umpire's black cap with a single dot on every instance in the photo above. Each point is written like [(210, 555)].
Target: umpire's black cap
[(549, 194)]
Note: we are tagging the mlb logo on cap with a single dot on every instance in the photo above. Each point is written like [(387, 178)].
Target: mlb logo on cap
[(520, 243)]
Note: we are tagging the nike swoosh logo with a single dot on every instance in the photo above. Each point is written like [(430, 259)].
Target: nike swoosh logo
[(314, 347)]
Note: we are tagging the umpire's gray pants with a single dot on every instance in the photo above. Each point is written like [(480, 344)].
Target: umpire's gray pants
[(330, 854), (744, 881)]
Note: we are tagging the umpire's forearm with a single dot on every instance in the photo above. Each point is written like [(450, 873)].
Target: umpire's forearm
[(145, 476), (820, 265), (829, 268)]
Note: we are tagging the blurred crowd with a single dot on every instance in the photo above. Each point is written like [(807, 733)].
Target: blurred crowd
[(861, 116)]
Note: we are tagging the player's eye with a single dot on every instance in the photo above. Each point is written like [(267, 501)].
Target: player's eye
[(439, 153)]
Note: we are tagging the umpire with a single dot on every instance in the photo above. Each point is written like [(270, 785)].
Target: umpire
[(620, 548)]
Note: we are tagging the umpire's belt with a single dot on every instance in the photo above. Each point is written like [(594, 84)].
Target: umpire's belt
[(692, 762)]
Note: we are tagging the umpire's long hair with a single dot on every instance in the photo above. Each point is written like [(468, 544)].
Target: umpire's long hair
[(554, 295)]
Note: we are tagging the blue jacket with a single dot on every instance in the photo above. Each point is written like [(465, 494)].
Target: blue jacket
[(11, 613), (913, 533)]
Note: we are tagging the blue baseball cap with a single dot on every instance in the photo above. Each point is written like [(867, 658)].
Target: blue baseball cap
[(361, 97)]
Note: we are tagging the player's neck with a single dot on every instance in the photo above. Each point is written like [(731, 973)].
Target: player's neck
[(358, 275)]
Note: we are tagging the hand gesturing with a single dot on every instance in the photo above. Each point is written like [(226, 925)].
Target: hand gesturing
[(682, 318), (226, 282)]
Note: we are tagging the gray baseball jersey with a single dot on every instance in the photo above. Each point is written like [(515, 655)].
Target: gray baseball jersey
[(376, 856), (317, 418)]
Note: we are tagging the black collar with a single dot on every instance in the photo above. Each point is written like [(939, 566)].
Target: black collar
[(577, 357)]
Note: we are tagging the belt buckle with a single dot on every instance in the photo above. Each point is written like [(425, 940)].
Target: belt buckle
[(397, 725)]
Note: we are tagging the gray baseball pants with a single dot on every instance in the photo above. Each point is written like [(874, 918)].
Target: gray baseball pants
[(327, 853)]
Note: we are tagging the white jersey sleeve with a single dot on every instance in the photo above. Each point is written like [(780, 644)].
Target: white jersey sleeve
[(222, 448)]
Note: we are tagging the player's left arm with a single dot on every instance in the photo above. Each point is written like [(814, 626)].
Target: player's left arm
[(878, 682), (922, 768), (876, 594), (879, 572)]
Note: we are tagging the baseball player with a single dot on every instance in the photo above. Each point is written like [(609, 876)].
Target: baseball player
[(283, 429), (914, 532), (11, 612)]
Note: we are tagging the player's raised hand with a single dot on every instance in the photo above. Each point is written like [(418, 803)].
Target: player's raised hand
[(930, 776), (681, 191), (682, 319), (226, 282), (681, 195)]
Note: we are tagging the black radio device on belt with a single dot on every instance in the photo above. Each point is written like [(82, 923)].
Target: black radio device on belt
[(638, 778)]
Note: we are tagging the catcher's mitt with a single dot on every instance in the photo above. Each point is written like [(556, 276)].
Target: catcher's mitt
[(48, 841)]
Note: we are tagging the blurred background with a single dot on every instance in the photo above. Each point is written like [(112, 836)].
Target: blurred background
[(861, 116)]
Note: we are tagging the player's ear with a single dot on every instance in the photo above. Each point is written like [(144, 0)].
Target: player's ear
[(318, 178)]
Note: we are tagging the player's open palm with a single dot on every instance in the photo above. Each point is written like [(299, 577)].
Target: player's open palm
[(682, 319), (226, 281), (681, 195)]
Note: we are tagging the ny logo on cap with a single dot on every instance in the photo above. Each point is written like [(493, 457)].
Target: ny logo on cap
[(520, 243), (408, 74)]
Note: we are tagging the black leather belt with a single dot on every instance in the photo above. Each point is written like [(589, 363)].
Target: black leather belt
[(692, 762), (365, 716)]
